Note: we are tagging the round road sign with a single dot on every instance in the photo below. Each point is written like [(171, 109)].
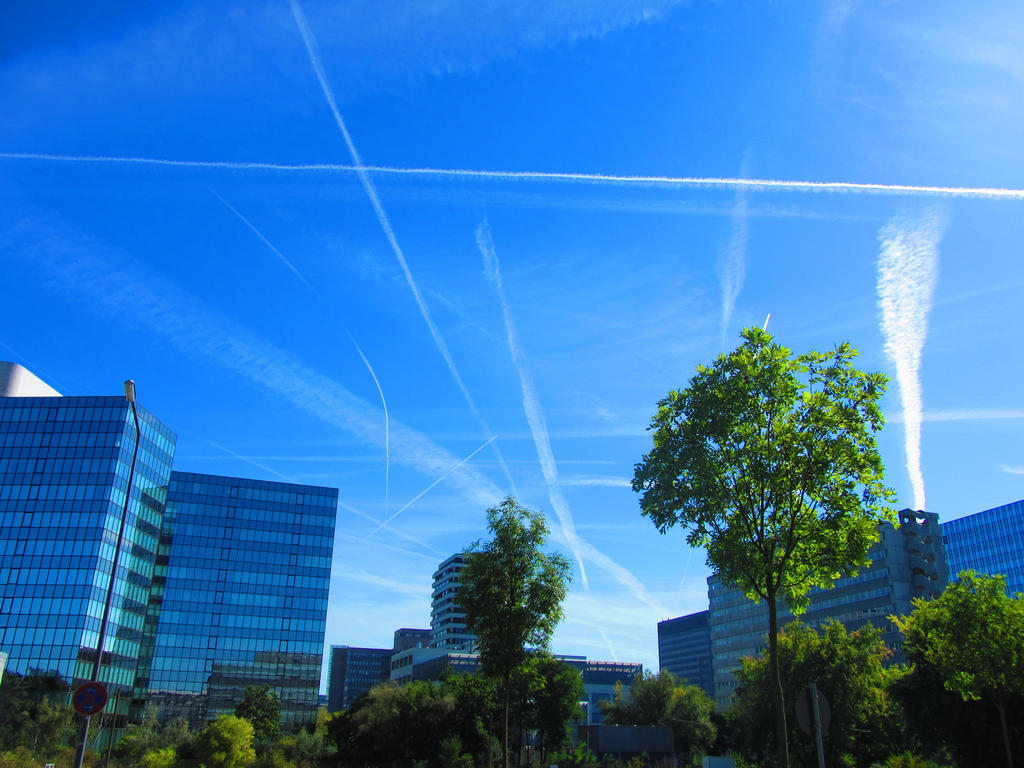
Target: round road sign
[(89, 698)]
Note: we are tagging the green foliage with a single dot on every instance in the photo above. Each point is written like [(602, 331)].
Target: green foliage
[(512, 595), (159, 758), (907, 760), (581, 757), (261, 707), (665, 700), (848, 671), (396, 725), (475, 711), (19, 757), (33, 712), (150, 735), (554, 701), (971, 638), (770, 460), (226, 743)]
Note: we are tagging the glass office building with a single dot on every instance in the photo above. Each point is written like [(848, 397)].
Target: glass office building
[(64, 465), (907, 562), (684, 649), (239, 596), (352, 672), (989, 542)]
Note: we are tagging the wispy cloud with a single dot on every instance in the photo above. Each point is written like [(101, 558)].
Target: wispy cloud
[(273, 248), (731, 266), (964, 414), (538, 428), (907, 273), (598, 481), (191, 327), (385, 224), (1013, 470), (704, 182)]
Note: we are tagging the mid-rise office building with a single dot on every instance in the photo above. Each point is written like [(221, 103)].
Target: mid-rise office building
[(406, 637), (906, 563), (221, 582), (64, 466), (989, 542), (352, 672), (684, 649), (447, 619), (240, 595)]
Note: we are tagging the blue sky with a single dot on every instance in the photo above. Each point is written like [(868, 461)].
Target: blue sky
[(522, 221)]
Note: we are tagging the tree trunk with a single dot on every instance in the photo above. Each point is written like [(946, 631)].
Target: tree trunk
[(507, 705), (777, 693), (1006, 735)]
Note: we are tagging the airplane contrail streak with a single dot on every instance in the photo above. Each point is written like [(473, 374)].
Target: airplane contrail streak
[(416, 498), (531, 403), (755, 185), (907, 273), (385, 223), (387, 427), (266, 242)]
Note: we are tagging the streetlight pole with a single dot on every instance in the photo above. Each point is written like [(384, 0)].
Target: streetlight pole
[(83, 733)]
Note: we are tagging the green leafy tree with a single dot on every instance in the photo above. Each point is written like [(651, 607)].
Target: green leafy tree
[(770, 460), (261, 707), (512, 594), (848, 670), (164, 757), (226, 743), (32, 712), (475, 712), (665, 700), (555, 702), (412, 724), (972, 637)]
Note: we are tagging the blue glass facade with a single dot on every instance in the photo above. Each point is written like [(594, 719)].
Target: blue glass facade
[(989, 542), (353, 672), (64, 464), (239, 596), (684, 649)]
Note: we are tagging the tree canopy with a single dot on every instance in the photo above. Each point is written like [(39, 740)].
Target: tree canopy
[(512, 595), (226, 743), (848, 669), (261, 707), (666, 700), (972, 638), (770, 460)]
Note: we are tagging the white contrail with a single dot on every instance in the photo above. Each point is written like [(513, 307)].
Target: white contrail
[(189, 326), (267, 243), (387, 426), (907, 272), (731, 266), (416, 498), (754, 185), (396, 531), (385, 223), (542, 441), (531, 403)]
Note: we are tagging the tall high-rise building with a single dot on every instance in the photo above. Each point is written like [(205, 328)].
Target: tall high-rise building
[(447, 619), (906, 563), (352, 672), (221, 582), (240, 595), (684, 649), (64, 466), (989, 542)]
